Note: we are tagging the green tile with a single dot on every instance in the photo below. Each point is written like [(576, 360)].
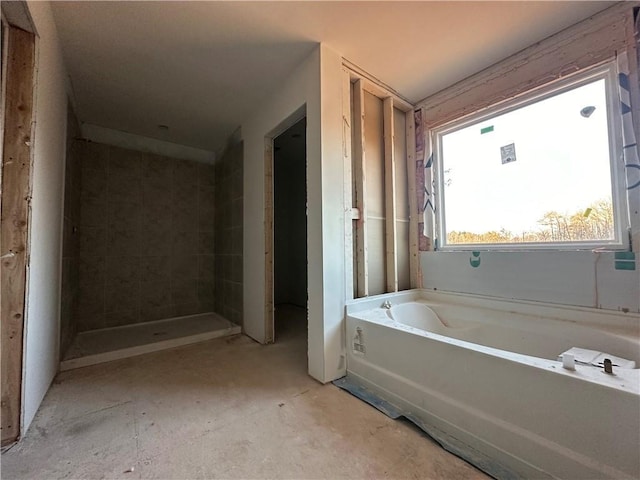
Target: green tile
[(625, 265)]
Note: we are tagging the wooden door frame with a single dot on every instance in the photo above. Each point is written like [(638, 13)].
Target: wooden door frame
[(269, 307), (15, 209)]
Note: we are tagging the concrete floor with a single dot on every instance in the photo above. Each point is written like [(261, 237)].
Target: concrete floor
[(225, 408)]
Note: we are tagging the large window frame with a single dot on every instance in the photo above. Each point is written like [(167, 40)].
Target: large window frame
[(606, 71)]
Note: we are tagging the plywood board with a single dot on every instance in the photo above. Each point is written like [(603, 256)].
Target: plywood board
[(16, 172)]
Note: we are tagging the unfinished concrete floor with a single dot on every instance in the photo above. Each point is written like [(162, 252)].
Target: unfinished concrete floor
[(225, 408)]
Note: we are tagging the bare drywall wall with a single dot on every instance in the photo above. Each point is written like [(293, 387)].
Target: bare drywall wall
[(331, 205), (301, 90), (45, 248), (315, 86), (582, 278)]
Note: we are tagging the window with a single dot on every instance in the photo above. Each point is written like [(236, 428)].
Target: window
[(539, 172)]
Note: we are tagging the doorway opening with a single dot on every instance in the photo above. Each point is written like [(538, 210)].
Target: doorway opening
[(290, 234)]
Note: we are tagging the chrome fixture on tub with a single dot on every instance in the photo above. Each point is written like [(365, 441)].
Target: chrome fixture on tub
[(386, 304)]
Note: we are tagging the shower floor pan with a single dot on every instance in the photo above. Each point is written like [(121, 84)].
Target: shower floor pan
[(108, 344)]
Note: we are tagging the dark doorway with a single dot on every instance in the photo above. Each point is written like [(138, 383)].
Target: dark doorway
[(290, 231)]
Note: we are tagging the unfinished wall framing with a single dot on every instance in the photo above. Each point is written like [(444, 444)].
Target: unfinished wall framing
[(16, 195), (269, 314), (379, 134)]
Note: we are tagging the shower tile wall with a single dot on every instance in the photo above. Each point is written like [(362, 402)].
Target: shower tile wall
[(228, 226), (146, 238), (71, 243)]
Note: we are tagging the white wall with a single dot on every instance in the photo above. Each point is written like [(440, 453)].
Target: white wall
[(316, 84), (45, 229), (334, 208)]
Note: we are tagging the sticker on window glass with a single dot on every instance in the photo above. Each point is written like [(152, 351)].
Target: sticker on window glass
[(508, 153)]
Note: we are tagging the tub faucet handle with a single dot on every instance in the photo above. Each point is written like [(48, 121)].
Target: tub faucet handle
[(386, 304), (608, 366)]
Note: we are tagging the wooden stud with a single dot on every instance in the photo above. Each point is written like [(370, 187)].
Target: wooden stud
[(348, 185), (414, 258), (269, 336), (375, 87), (391, 236), (382, 94), (361, 186), (366, 83), (16, 173)]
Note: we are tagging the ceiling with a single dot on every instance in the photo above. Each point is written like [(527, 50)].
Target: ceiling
[(200, 67)]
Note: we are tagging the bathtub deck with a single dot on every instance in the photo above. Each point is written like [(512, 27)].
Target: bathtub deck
[(454, 378), (108, 344)]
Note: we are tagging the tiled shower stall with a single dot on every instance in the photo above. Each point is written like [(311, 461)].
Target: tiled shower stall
[(228, 235), (148, 237)]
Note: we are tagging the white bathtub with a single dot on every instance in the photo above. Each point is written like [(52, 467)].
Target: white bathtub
[(482, 376)]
